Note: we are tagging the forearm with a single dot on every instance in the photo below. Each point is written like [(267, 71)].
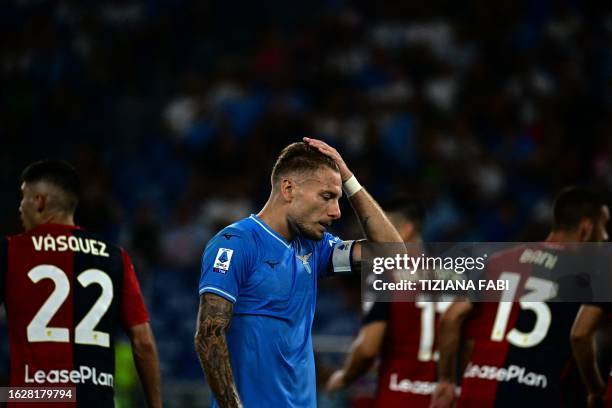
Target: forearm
[(374, 223), (147, 365), (449, 338), (449, 334), (584, 354), (355, 366), (214, 318), (214, 358)]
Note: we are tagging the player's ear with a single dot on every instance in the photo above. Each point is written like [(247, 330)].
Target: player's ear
[(41, 202), (585, 229), (287, 189)]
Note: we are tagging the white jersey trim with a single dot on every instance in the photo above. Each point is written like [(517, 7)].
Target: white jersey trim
[(217, 291), (269, 232)]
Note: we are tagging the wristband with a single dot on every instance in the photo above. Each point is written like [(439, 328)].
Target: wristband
[(351, 186)]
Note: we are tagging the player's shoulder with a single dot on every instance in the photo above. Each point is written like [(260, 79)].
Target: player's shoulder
[(528, 251), (101, 240), (52, 230), (15, 237), (21, 239), (508, 254), (53, 239), (240, 231)]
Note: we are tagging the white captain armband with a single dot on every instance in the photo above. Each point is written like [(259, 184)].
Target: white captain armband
[(341, 256)]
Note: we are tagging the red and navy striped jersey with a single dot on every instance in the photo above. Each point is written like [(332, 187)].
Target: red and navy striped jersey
[(66, 292), (522, 354), (407, 373)]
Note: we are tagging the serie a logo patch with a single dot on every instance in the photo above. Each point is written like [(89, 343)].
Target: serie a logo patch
[(222, 260)]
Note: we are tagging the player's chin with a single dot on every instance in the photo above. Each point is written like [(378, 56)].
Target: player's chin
[(315, 234)]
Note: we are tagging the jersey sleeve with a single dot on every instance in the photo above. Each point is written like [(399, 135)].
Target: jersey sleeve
[(334, 255), (133, 310), (3, 267), (225, 264)]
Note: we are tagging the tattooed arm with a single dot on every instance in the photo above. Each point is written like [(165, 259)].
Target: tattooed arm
[(375, 224), (214, 318)]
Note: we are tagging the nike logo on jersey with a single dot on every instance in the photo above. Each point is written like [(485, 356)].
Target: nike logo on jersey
[(271, 264), (229, 236)]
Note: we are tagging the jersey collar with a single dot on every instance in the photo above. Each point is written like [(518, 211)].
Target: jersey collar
[(52, 226), (269, 230)]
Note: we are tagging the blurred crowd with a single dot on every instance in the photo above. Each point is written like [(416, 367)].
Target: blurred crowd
[(173, 112)]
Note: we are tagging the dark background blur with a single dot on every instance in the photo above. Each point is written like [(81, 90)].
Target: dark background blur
[(173, 113)]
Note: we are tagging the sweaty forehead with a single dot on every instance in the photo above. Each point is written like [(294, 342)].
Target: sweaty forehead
[(323, 178)]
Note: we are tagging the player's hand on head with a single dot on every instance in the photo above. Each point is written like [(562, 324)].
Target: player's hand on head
[(329, 151), (335, 382)]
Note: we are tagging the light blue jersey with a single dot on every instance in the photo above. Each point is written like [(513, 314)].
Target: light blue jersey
[(273, 285)]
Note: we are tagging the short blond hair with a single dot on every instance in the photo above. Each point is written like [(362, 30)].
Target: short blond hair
[(299, 158)]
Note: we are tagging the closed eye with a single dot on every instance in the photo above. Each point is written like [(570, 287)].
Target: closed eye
[(328, 195)]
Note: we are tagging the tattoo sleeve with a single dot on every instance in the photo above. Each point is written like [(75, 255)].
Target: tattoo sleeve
[(214, 317), (375, 224)]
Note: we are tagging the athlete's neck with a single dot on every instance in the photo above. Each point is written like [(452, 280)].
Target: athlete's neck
[(275, 218), (58, 218)]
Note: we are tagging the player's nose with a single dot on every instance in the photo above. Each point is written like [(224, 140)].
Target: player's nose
[(334, 210)]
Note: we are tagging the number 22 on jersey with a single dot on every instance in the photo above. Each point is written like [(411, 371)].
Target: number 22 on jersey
[(39, 331)]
